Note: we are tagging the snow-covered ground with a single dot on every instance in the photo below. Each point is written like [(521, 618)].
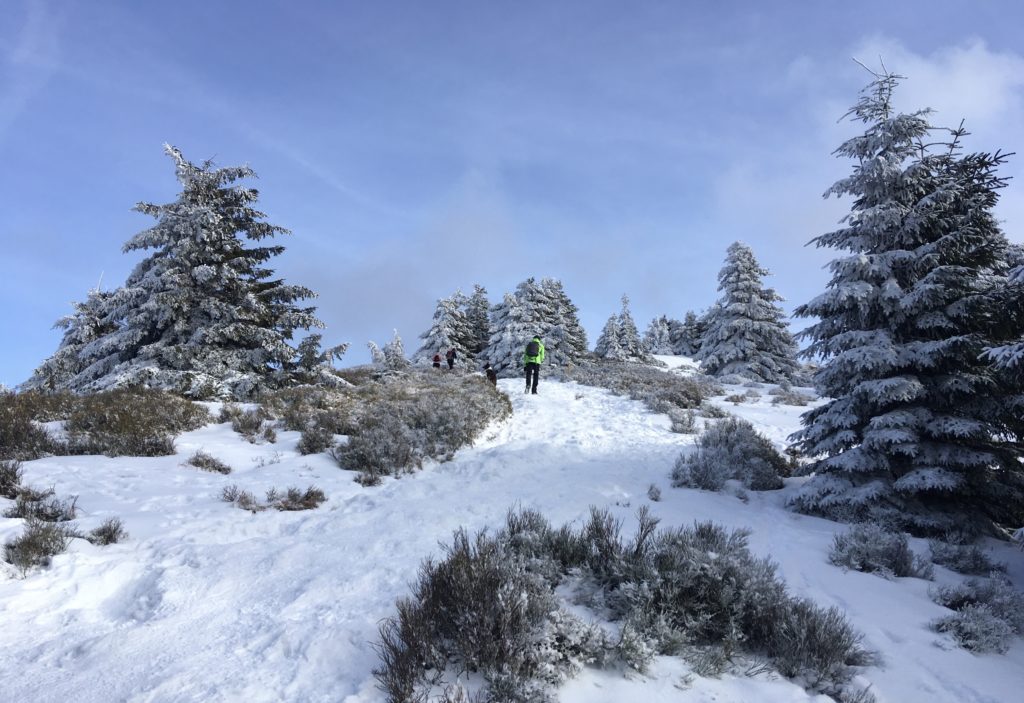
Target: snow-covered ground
[(206, 602)]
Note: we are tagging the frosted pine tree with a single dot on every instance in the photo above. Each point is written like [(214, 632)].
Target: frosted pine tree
[(394, 354), (629, 336), (510, 331), (449, 330), (916, 433), (607, 346), (202, 314), (746, 335), (658, 336), (685, 336), (377, 358), (536, 308), (477, 310), (88, 323)]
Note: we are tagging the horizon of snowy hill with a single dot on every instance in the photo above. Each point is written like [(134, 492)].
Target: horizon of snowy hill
[(207, 602)]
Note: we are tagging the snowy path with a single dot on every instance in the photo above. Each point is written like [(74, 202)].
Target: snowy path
[(209, 603)]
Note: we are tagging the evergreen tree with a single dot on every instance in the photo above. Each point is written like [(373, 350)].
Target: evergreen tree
[(377, 357), (511, 329), (658, 337), (542, 309), (685, 336), (608, 346), (449, 330), (629, 337), (394, 354), (746, 335), (477, 310), (916, 433), (202, 314), (88, 323)]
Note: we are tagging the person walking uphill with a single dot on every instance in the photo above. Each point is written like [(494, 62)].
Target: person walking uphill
[(450, 356), (533, 357)]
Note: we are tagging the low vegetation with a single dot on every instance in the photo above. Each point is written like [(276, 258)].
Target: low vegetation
[(291, 499), (39, 542), (967, 559), (489, 607), (875, 549), (208, 462), (110, 532), (660, 391), (731, 449), (399, 422), (989, 613)]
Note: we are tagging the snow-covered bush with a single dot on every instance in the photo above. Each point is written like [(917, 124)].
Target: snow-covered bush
[(10, 478), (208, 462), (874, 549), (659, 391), (248, 423), (315, 409), (398, 423), (315, 439), (130, 422), (43, 506), (483, 609), (490, 607), (110, 532), (785, 395), (292, 499), (967, 559), (40, 541), (20, 436), (977, 628), (731, 449), (997, 595)]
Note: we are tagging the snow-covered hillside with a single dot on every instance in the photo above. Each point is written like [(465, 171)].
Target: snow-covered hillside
[(206, 602)]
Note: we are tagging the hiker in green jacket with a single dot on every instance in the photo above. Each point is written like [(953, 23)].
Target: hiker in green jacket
[(533, 357)]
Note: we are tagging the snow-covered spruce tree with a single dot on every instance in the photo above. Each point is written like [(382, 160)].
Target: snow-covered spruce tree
[(477, 311), (510, 331), (202, 314), (376, 355), (746, 334), (449, 330), (916, 435), (629, 335), (607, 345), (565, 340), (542, 309), (685, 336), (658, 336), (88, 323), (394, 354)]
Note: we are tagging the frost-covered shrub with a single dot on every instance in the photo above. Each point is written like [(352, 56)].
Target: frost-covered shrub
[(967, 559), (977, 628), (731, 449), (713, 412), (315, 439), (998, 594), (110, 532), (654, 493), (131, 422), (401, 422), (40, 541), (296, 499), (874, 549), (785, 395), (683, 421), (248, 423), (207, 462), (20, 436), (291, 500), (43, 506), (659, 391), (489, 607), (10, 478)]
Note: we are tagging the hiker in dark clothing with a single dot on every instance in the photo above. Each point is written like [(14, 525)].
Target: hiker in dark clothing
[(437, 360), (492, 375), (533, 357), (450, 356)]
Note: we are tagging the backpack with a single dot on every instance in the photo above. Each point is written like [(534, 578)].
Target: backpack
[(533, 348)]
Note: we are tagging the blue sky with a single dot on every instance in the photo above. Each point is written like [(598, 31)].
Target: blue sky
[(418, 147)]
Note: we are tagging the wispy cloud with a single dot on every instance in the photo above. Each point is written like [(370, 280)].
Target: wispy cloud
[(30, 61)]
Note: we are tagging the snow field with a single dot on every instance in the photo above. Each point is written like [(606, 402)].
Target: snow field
[(206, 602)]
